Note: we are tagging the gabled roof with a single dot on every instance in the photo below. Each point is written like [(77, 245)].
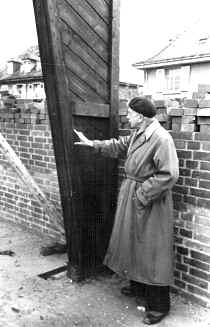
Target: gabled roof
[(192, 46)]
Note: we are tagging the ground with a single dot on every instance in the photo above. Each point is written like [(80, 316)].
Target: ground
[(27, 300)]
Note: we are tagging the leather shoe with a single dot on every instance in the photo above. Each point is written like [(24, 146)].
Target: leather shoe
[(141, 302), (153, 318)]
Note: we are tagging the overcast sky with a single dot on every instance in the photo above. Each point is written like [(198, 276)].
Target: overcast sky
[(146, 27)]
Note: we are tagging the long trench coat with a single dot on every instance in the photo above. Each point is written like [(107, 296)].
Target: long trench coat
[(141, 244)]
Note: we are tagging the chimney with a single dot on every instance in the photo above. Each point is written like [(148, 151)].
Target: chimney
[(38, 66), (27, 65), (13, 67)]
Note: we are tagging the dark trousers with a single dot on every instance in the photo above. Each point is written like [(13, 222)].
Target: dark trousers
[(157, 297)]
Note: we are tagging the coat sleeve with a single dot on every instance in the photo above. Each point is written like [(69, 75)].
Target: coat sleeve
[(166, 172), (113, 147)]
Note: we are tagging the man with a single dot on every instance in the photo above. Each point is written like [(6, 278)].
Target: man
[(141, 244)]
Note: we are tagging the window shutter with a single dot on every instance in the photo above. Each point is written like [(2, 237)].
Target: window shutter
[(160, 80), (185, 78)]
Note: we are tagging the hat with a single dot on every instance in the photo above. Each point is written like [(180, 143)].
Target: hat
[(143, 106)]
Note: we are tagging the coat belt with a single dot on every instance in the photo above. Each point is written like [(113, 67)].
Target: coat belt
[(136, 179)]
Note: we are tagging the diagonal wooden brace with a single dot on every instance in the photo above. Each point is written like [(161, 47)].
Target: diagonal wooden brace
[(27, 179)]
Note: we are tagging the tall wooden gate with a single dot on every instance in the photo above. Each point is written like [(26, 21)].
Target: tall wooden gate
[(79, 43)]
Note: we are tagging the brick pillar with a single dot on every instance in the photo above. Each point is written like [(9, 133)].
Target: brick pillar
[(184, 119), (203, 116), (162, 115)]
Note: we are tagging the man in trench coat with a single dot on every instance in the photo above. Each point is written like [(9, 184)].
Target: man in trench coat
[(141, 244)]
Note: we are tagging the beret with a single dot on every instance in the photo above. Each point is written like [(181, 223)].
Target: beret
[(143, 106)]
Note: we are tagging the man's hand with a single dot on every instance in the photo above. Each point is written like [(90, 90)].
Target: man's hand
[(84, 141)]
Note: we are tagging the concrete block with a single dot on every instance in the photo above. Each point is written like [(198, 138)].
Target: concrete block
[(42, 116), (203, 111), (188, 128), (176, 126), (190, 103), (123, 119), (34, 110), (177, 120), (123, 111), (123, 107), (204, 88), (175, 111), (204, 104), (189, 111), (161, 117), (1, 104), (26, 115), (23, 106), (203, 120), (195, 95), (33, 120), (160, 103), (184, 124), (161, 111), (188, 119), (205, 129)]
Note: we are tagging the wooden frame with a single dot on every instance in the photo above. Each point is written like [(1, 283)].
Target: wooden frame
[(62, 107)]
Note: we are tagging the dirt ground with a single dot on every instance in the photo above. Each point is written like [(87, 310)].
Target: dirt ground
[(27, 300)]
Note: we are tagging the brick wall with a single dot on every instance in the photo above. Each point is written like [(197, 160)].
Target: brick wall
[(25, 126)]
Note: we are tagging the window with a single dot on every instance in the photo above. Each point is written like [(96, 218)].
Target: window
[(160, 80), (19, 89), (173, 79)]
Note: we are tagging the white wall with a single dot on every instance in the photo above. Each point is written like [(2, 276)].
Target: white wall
[(192, 77), (200, 74), (150, 82)]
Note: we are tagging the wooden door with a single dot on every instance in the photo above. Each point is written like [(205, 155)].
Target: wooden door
[(79, 43)]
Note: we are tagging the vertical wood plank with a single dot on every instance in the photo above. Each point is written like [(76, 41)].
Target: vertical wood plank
[(56, 87), (114, 67), (112, 165)]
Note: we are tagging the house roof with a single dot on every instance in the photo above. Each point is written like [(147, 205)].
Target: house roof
[(21, 77), (192, 46), (31, 54)]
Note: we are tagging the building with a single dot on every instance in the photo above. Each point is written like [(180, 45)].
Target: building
[(182, 68), (22, 78)]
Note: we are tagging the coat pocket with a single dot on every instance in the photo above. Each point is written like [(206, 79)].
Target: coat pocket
[(141, 214)]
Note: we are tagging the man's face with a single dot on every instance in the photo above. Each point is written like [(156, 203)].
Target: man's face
[(134, 118)]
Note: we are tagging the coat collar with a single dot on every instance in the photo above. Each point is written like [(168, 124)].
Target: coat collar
[(151, 128), (140, 136)]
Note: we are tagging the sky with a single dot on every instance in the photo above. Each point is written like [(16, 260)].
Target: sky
[(17, 27), (145, 27)]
